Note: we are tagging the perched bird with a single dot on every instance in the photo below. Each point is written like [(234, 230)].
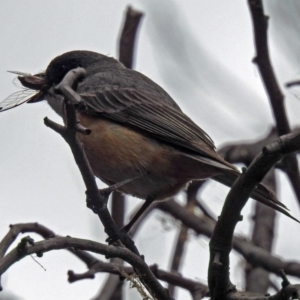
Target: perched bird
[(137, 130)]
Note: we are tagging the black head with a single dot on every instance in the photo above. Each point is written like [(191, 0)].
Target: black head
[(91, 61)]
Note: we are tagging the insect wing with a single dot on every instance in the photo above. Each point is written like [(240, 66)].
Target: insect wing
[(19, 73), (16, 99)]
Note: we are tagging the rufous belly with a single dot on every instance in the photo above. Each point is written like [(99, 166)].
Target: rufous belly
[(116, 153)]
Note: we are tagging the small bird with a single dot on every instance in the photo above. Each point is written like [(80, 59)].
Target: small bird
[(137, 131)]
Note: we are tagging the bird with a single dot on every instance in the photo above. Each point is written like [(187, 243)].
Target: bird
[(137, 131)]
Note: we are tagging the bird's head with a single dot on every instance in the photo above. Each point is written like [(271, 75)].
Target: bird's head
[(92, 62)]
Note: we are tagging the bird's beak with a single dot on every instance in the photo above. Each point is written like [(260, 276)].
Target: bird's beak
[(34, 82)]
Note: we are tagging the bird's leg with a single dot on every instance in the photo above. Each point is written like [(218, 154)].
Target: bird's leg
[(105, 193), (124, 230), (146, 204)]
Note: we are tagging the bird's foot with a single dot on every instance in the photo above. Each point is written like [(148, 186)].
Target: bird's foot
[(122, 236), (65, 87)]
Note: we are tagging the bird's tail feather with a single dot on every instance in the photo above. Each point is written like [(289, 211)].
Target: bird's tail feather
[(227, 175), (261, 193)]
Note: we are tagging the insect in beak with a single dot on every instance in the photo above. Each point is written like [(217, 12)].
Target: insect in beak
[(32, 90)]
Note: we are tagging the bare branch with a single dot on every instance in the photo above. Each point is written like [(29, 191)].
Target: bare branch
[(58, 243), (95, 201), (16, 229), (221, 241), (128, 37), (257, 279), (262, 59), (168, 277)]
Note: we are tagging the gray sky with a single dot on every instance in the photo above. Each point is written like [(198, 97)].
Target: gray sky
[(199, 51)]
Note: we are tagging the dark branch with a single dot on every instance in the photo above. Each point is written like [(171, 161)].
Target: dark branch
[(257, 278), (16, 229), (221, 241), (128, 37), (117, 269), (262, 59), (58, 243), (69, 132)]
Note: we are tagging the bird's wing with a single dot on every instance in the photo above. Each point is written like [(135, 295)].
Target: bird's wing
[(140, 110), (149, 112)]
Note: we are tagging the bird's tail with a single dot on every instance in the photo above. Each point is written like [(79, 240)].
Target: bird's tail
[(261, 193), (227, 174)]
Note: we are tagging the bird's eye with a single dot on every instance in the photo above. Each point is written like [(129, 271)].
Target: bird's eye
[(61, 68)]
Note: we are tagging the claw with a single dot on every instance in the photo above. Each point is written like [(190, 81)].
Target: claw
[(65, 88), (123, 236)]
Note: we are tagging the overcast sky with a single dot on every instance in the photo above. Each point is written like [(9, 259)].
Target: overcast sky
[(199, 51)]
